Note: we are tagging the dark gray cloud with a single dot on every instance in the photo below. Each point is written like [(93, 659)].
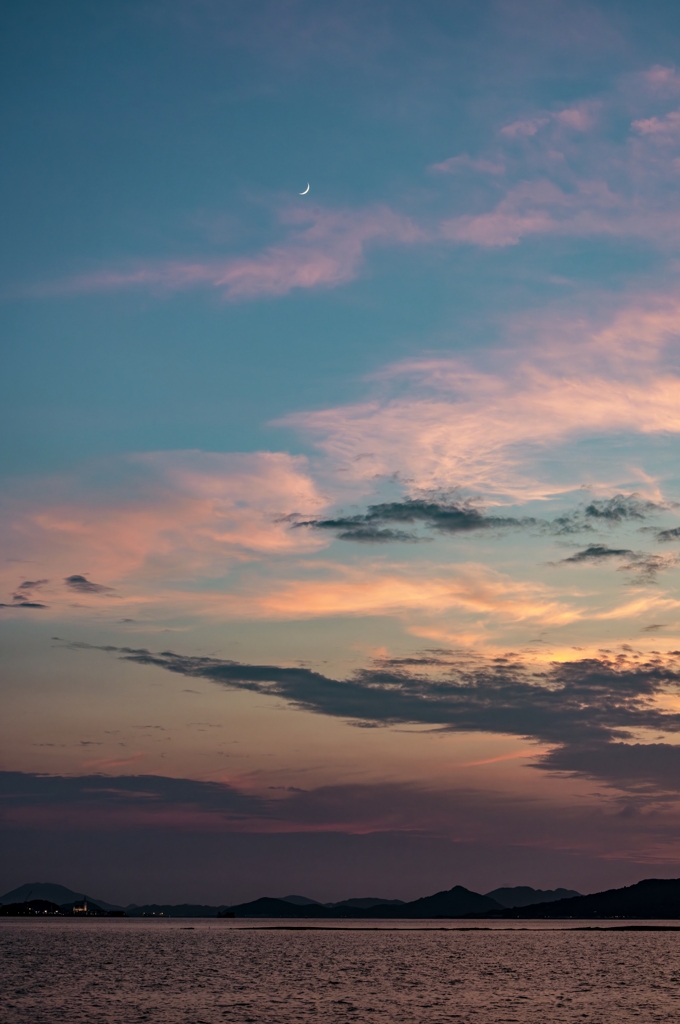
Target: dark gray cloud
[(377, 524), (643, 567), (24, 596), (668, 535), (595, 704), (643, 768), (598, 553), (80, 805), (23, 604), (622, 508), (600, 698), (153, 792), (445, 517), (84, 586)]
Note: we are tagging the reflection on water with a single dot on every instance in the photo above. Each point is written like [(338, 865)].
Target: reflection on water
[(270, 972)]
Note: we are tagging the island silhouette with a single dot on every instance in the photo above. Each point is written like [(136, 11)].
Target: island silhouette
[(649, 899)]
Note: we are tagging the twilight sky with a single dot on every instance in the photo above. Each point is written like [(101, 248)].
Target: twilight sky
[(340, 532)]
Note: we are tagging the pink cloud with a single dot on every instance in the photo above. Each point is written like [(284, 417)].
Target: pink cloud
[(195, 516), (112, 762), (456, 163), (380, 588), (579, 118), (210, 534), (663, 128), (458, 425), (324, 249), (540, 207), (498, 228), (530, 208), (524, 129), (662, 80)]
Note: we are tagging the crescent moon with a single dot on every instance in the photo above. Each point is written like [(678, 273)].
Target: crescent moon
[(305, 191)]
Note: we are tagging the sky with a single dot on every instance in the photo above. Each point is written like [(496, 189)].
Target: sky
[(340, 526)]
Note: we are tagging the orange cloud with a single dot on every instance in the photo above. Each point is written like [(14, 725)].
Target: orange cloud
[(195, 517), (486, 431)]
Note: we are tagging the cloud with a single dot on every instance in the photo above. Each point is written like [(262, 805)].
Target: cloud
[(461, 517), (524, 129), (663, 129), (648, 769), (579, 118), (596, 700), (518, 424), (324, 248), (446, 423), (23, 604), (178, 515), (84, 586), (527, 209), (589, 712), (408, 590), (668, 535), (24, 597), (621, 507), (665, 81), (597, 553), (614, 511), (89, 800), (645, 567), (465, 162), (563, 179), (445, 517)]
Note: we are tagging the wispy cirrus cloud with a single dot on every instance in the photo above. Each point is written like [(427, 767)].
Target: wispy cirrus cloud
[(408, 589), (556, 172), (190, 515), (466, 162), (323, 249), (443, 423), (563, 173), (241, 535)]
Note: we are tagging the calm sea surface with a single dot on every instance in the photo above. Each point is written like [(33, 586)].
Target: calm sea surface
[(207, 971)]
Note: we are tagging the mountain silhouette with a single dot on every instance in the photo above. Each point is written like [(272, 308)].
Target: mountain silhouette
[(653, 899), (525, 896), (52, 893), (454, 902)]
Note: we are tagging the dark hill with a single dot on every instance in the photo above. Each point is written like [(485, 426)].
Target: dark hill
[(454, 902), (266, 906), (53, 893), (366, 902), (301, 901), (525, 896), (652, 899), (35, 908), (93, 909), (174, 910)]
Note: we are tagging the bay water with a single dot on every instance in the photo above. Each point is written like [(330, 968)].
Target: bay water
[(207, 971)]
